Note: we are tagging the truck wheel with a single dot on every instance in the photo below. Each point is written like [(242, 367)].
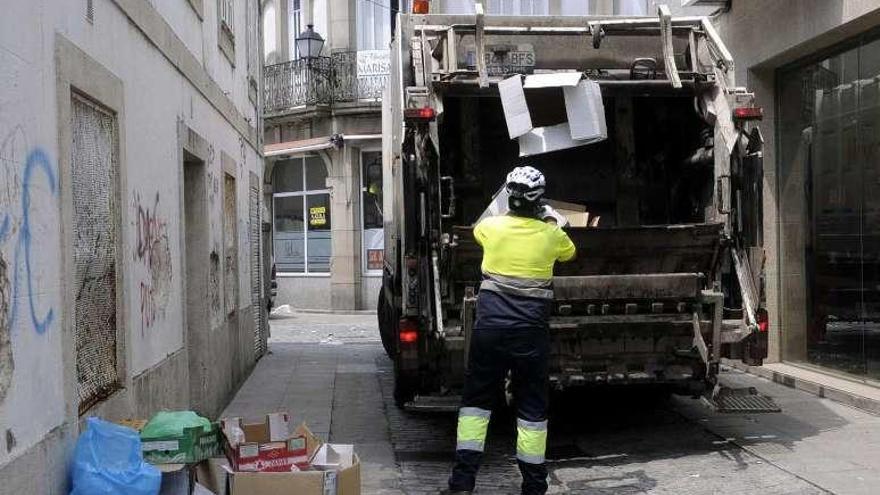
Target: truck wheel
[(386, 324)]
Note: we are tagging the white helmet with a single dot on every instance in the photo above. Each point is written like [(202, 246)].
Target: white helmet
[(526, 182)]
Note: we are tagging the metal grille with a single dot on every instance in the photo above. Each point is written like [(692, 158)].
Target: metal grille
[(297, 83), (230, 265), (254, 229), (346, 76), (93, 183), (742, 400)]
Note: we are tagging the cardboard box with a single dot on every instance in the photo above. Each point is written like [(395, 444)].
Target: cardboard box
[(574, 215), (584, 110), (194, 445), (342, 482), (268, 446), (335, 468), (566, 214)]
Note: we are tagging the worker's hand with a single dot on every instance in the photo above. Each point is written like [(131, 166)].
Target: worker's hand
[(552, 216)]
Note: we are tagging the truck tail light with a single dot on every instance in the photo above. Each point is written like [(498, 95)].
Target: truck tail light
[(424, 114), (763, 320), (421, 6), (408, 332), (748, 113)]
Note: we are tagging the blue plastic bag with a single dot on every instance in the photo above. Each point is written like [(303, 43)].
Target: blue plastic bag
[(108, 461)]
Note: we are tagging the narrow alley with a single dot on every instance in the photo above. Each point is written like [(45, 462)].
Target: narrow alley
[(331, 372)]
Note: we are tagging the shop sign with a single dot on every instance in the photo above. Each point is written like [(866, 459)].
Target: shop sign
[(375, 259), (318, 216)]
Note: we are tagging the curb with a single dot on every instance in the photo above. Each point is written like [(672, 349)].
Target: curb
[(294, 311), (820, 389)]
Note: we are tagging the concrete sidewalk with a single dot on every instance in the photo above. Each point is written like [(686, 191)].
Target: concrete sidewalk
[(826, 443), (330, 371), (321, 368)]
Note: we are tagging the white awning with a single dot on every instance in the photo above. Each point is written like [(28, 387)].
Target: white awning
[(294, 147), (305, 145)]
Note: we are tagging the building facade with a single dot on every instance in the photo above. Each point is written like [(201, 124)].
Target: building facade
[(130, 218), (815, 69), (323, 135)]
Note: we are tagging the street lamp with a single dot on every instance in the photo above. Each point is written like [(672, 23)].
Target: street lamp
[(309, 43)]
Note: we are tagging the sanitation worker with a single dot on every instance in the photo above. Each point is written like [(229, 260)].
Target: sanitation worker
[(511, 331)]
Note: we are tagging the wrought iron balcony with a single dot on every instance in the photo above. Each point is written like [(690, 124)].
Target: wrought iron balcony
[(344, 77)]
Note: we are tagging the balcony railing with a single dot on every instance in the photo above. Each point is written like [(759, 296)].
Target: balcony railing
[(350, 76)]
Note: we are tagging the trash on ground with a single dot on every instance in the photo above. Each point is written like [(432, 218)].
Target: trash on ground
[(283, 310), (177, 437), (108, 460), (271, 460)]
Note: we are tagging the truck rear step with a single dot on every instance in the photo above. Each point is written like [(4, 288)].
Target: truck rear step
[(740, 400), (434, 403)]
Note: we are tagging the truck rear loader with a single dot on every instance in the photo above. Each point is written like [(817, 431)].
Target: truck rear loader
[(669, 281)]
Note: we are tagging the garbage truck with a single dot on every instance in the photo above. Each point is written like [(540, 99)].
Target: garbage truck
[(665, 199)]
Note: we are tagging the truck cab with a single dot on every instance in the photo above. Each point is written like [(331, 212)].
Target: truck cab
[(669, 275)]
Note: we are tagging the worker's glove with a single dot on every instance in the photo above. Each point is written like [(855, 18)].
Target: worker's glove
[(548, 214)]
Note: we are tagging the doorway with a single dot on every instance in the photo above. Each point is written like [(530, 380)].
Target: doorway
[(196, 241)]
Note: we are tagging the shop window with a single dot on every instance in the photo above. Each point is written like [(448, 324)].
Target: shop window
[(373, 240), (302, 216), (829, 210)]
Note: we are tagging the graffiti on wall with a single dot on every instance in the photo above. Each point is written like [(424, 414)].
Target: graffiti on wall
[(153, 252), (15, 222), (23, 171)]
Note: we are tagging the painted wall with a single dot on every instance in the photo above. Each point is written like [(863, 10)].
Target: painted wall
[(36, 394), (33, 401)]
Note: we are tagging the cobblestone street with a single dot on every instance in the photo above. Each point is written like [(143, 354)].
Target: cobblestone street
[(331, 371)]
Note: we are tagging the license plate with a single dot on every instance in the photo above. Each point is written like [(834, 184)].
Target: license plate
[(505, 60)]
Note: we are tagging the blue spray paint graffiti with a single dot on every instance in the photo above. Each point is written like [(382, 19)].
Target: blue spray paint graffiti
[(37, 160)]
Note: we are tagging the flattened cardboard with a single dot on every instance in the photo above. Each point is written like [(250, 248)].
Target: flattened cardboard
[(586, 112), (513, 101), (574, 215), (333, 456), (546, 139), (211, 474), (498, 206), (552, 80)]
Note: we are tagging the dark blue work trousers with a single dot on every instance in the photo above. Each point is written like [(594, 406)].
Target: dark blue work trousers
[(494, 352)]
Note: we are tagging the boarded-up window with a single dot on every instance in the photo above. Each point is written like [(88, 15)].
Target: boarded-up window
[(94, 159), (230, 235)]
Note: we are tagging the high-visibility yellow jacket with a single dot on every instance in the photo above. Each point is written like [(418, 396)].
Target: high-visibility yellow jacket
[(518, 258), (522, 247)]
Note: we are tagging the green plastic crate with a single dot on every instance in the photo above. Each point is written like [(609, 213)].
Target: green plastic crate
[(195, 445)]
